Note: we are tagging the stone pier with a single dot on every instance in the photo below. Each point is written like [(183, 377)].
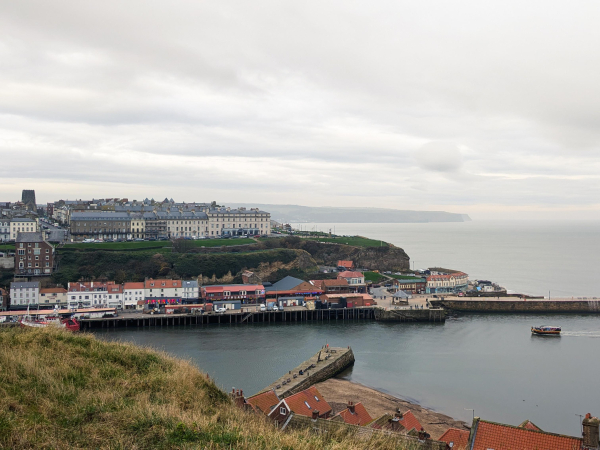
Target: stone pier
[(326, 363)]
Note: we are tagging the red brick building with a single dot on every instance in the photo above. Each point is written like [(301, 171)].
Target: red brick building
[(338, 286), (33, 255)]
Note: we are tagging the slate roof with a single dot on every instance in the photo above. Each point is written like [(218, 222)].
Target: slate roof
[(499, 436), (263, 402), (35, 236), (285, 284), (359, 417), (400, 294), (459, 438), (24, 284)]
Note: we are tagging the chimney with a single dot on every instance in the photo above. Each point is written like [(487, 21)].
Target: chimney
[(351, 407), (591, 436), (315, 414)]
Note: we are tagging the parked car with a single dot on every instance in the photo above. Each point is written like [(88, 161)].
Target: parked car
[(275, 308), (221, 309), (138, 240), (263, 307)]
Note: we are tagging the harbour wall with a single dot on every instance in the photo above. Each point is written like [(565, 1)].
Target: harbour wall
[(324, 364), (410, 315), (590, 306)]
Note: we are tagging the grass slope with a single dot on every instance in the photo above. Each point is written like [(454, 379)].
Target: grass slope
[(157, 244), (61, 390)]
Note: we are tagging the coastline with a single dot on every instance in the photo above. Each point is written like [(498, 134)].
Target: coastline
[(338, 392)]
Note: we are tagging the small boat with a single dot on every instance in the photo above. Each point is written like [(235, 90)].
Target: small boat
[(69, 324), (546, 330)]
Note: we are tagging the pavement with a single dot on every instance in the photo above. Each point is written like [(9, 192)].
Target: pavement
[(383, 297)]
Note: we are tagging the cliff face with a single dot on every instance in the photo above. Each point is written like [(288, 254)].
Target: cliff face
[(373, 258)]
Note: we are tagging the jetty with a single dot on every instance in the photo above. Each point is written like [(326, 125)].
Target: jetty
[(589, 305), (136, 320), (325, 364)]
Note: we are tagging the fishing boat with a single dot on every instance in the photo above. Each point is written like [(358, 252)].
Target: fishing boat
[(69, 324), (546, 330)]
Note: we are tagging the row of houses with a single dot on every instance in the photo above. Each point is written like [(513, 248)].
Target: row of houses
[(150, 293), (448, 283), (308, 409)]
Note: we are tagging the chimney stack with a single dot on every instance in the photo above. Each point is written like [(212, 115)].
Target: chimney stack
[(351, 407), (591, 432), (315, 414)]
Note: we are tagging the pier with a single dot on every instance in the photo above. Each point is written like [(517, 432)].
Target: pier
[(324, 364), (590, 305), (134, 320), (230, 317)]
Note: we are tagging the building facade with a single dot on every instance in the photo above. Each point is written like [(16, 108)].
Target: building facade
[(133, 294), (191, 291), (23, 294), (245, 293), (238, 222), (87, 294), (22, 225), (100, 225), (4, 229), (451, 283), (53, 297), (34, 256)]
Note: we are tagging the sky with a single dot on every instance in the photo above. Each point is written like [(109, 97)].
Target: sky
[(490, 108)]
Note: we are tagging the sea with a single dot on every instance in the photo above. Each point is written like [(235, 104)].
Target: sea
[(485, 365)]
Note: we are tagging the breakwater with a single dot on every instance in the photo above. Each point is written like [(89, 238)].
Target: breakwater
[(324, 364), (512, 305), (410, 315)]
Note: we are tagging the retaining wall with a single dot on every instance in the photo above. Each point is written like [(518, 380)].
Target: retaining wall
[(523, 306)]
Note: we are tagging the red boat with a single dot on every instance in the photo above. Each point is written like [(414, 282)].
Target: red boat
[(69, 324)]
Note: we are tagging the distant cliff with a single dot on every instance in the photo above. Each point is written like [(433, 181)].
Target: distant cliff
[(300, 214)]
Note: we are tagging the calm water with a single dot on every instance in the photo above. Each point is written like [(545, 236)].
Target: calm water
[(487, 362), (530, 257)]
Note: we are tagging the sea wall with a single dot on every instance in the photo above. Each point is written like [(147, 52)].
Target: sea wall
[(522, 306), (410, 315), (328, 362)]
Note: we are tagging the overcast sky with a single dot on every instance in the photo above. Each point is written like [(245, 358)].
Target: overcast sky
[(486, 108)]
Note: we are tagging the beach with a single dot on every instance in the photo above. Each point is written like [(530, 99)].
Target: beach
[(338, 392)]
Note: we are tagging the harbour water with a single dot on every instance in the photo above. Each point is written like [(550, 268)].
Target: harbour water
[(490, 363)]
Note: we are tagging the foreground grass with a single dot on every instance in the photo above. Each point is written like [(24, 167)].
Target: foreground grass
[(61, 390)]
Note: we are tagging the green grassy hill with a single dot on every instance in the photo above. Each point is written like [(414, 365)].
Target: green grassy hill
[(61, 390)]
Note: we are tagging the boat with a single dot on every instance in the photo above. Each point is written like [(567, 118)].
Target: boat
[(69, 324), (546, 330)]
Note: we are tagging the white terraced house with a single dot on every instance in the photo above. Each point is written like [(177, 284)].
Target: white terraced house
[(238, 222)]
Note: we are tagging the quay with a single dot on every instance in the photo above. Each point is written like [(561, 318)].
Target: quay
[(324, 364), (230, 317), (519, 305), (292, 315)]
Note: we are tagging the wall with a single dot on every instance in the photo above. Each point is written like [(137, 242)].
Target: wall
[(7, 262), (523, 306), (410, 315)]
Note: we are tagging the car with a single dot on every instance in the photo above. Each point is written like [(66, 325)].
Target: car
[(275, 308), (138, 240), (221, 310), (263, 307)]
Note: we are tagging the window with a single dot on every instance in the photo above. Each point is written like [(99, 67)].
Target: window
[(282, 411), (306, 403)]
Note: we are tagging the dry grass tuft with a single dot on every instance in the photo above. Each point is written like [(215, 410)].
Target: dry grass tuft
[(61, 390)]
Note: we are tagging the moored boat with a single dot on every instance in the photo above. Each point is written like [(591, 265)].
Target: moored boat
[(69, 324), (546, 330)]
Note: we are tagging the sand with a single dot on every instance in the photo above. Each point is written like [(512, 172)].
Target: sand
[(338, 392)]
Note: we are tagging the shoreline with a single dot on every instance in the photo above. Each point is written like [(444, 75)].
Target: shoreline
[(338, 392)]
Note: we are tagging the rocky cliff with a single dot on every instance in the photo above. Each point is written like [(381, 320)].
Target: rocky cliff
[(374, 258)]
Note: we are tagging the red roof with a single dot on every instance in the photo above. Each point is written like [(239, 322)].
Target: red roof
[(90, 286), (359, 417), (348, 274), (233, 288), (297, 403), (459, 438), (321, 284), (263, 402), (506, 437), (162, 284), (134, 285), (530, 425), (409, 421), (346, 264)]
